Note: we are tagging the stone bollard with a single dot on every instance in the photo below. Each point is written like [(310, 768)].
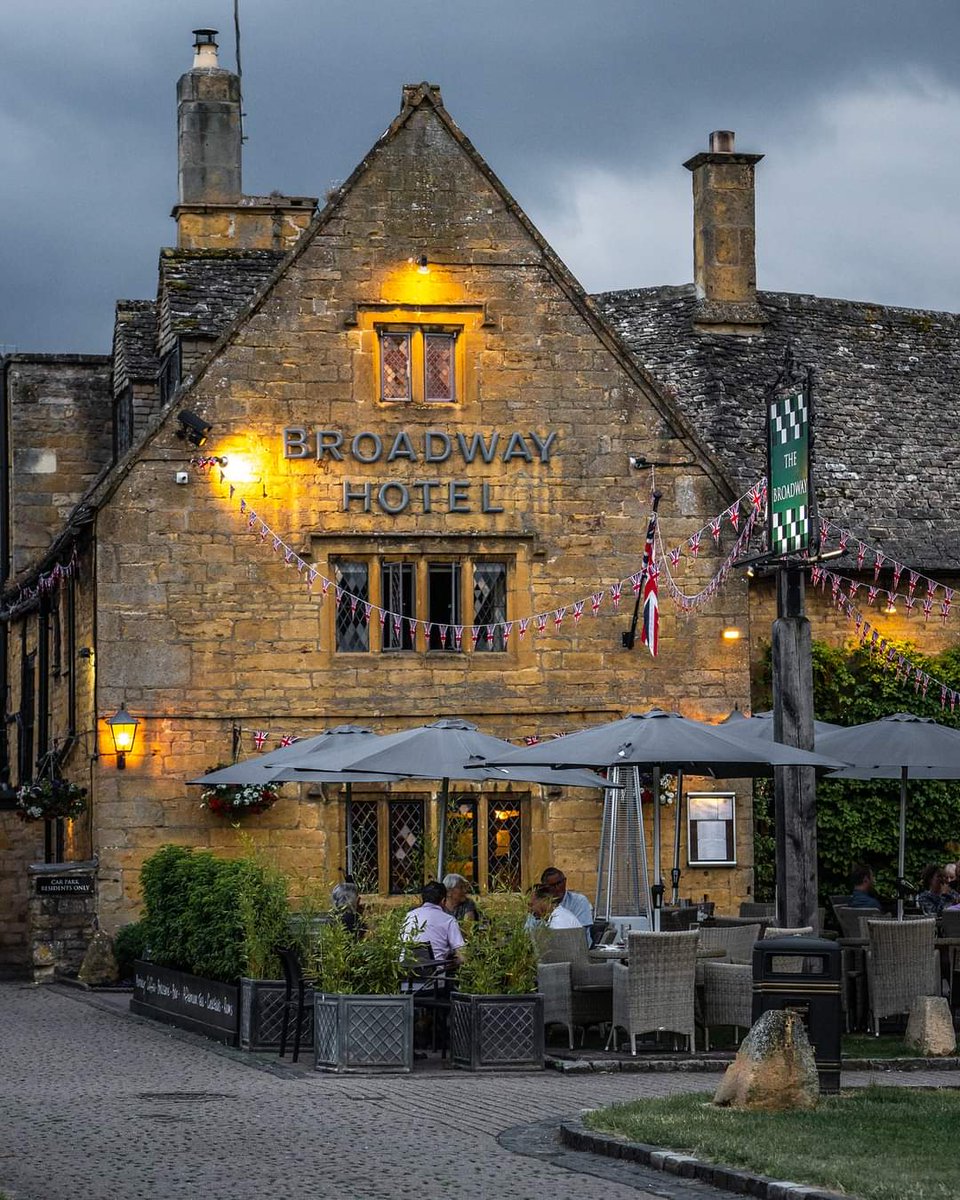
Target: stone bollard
[(774, 1069), (930, 1027)]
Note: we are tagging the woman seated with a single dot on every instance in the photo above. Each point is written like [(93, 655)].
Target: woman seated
[(933, 896), (458, 903)]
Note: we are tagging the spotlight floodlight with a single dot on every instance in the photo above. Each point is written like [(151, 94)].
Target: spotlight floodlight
[(193, 429)]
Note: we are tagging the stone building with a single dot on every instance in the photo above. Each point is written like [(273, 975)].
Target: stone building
[(413, 499)]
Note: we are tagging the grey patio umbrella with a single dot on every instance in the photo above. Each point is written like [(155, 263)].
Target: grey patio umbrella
[(452, 749), (901, 746), (286, 766), (664, 742), (322, 753), (759, 726)]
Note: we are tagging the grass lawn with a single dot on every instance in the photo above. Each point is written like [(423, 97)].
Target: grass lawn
[(878, 1143)]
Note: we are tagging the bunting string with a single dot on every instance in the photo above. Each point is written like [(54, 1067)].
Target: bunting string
[(319, 585)]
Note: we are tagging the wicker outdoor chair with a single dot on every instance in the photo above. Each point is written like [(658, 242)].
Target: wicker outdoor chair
[(564, 1004), (773, 931), (750, 911), (570, 946), (737, 940), (727, 997), (902, 964), (655, 991)]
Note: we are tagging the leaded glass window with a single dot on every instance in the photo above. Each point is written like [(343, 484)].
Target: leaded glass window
[(490, 604), (353, 580), (406, 846), (438, 366), (395, 366), (363, 833), (461, 849), (504, 845)]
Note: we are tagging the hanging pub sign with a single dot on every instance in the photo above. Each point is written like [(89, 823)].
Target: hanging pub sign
[(788, 471)]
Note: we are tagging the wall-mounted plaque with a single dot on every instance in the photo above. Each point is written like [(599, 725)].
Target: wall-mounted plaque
[(64, 885)]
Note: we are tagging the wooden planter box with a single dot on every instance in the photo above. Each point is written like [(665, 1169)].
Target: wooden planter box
[(496, 1033), (363, 1033), (261, 1016), (190, 1002)]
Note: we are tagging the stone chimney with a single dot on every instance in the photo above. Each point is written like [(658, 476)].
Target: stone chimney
[(212, 213), (724, 239), (208, 127)]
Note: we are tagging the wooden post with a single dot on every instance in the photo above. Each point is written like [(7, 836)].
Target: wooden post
[(795, 791)]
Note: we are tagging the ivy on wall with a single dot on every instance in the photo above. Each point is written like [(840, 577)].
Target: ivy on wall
[(858, 821)]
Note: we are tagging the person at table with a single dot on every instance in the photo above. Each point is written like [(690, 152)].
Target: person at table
[(546, 911), (953, 887), (458, 903), (933, 896), (430, 922), (348, 907), (861, 884), (574, 902)]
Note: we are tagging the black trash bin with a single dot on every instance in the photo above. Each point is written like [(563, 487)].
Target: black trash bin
[(803, 974)]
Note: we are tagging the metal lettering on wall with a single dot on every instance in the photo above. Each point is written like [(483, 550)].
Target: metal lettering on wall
[(394, 496)]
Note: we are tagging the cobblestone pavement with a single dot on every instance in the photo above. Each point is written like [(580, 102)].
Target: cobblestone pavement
[(98, 1105)]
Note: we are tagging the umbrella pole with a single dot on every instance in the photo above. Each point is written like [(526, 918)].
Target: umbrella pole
[(677, 814), (902, 851), (657, 866), (442, 833)]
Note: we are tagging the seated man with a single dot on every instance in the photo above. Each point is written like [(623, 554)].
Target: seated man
[(429, 923), (544, 910), (861, 881), (573, 902), (347, 906)]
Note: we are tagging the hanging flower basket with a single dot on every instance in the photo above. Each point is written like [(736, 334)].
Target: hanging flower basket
[(49, 799), (238, 800)]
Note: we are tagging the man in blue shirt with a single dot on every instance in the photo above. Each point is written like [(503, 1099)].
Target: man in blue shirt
[(861, 880), (575, 902)]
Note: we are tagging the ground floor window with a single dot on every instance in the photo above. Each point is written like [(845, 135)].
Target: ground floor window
[(391, 841), (446, 605)]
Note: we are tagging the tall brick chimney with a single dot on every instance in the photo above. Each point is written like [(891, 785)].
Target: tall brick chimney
[(208, 127), (724, 238), (212, 213)]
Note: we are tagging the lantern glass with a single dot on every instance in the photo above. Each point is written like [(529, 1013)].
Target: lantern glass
[(123, 728)]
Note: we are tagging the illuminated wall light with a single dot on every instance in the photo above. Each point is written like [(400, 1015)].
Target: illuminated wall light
[(890, 608), (732, 634)]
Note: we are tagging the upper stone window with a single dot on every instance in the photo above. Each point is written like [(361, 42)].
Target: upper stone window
[(418, 364)]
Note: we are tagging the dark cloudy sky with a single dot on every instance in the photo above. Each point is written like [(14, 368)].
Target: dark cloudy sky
[(585, 108)]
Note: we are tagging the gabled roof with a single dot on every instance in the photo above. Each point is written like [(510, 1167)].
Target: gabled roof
[(202, 291), (886, 404)]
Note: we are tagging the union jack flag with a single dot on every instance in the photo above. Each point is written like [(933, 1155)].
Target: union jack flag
[(558, 616), (733, 512), (615, 593), (541, 619), (861, 554), (695, 544), (531, 740), (287, 740), (675, 556), (650, 630), (507, 630), (879, 560), (260, 738), (522, 627), (715, 529), (897, 572), (577, 612), (595, 601)]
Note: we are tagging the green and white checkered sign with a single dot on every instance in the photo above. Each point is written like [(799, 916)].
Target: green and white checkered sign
[(788, 443)]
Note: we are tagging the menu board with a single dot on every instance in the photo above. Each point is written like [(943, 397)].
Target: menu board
[(711, 829)]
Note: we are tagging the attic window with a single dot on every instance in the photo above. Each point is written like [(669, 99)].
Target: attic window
[(418, 364)]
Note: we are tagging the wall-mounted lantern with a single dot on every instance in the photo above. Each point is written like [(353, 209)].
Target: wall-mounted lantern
[(123, 729)]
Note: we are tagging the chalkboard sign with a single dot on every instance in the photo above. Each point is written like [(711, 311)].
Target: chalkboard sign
[(64, 885), (188, 1001)]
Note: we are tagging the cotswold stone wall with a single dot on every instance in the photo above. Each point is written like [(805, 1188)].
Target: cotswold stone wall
[(60, 425), (200, 623)]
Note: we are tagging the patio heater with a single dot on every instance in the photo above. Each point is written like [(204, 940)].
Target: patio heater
[(623, 886)]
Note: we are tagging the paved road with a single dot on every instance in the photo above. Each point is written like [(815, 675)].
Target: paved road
[(98, 1105)]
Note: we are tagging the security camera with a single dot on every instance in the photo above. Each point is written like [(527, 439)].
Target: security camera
[(638, 461), (182, 477), (193, 429)]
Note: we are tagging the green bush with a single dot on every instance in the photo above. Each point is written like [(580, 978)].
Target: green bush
[(219, 918), (858, 821), (500, 957), (372, 965), (129, 944)]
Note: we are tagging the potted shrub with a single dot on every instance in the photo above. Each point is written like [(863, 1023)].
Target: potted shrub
[(362, 1019), (496, 1014), (208, 923), (50, 799)]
